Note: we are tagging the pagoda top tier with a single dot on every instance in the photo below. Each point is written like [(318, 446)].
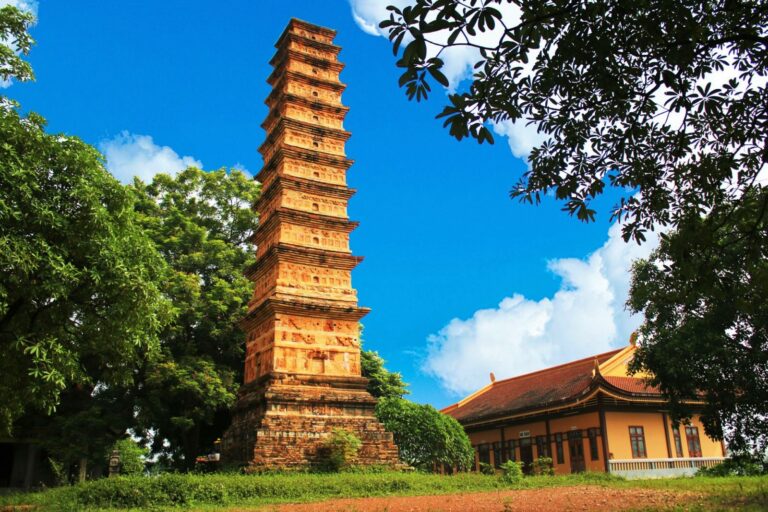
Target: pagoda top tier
[(301, 28)]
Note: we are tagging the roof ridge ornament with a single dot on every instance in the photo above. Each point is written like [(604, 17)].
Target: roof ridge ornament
[(596, 370)]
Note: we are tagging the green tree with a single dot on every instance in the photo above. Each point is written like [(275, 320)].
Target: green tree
[(704, 293), (14, 42), (201, 222), (425, 437), (381, 382), (76, 311), (665, 102), (133, 456), (626, 94)]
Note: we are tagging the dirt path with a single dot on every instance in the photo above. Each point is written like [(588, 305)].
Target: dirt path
[(580, 498)]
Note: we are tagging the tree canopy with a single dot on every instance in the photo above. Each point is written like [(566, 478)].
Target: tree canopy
[(80, 303), (14, 42), (704, 293), (382, 383), (663, 100), (425, 437), (201, 223)]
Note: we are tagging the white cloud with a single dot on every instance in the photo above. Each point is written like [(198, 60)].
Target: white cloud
[(369, 13), (585, 316), (22, 5), (521, 136), (130, 155)]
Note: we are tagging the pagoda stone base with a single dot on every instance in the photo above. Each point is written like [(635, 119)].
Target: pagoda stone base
[(281, 422)]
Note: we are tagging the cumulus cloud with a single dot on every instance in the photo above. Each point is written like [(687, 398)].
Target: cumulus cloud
[(458, 61), (130, 155), (22, 5), (585, 316)]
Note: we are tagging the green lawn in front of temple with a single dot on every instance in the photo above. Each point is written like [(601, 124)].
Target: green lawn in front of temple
[(219, 491)]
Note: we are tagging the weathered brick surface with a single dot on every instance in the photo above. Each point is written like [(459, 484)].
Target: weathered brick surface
[(302, 366)]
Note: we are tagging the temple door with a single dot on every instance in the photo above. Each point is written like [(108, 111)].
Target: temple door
[(526, 455), (576, 450)]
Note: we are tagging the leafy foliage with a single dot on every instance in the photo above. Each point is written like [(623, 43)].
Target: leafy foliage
[(15, 40), (75, 310), (381, 382), (133, 456), (341, 449), (512, 471), (742, 464), (486, 469), (201, 222), (704, 293), (543, 466), (424, 436), (667, 99)]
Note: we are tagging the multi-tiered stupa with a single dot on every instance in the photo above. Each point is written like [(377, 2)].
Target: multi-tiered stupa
[(302, 365)]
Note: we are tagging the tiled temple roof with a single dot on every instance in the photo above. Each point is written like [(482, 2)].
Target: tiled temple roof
[(544, 388)]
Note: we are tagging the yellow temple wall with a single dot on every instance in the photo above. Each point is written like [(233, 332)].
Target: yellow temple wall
[(581, 422), (653, 426)]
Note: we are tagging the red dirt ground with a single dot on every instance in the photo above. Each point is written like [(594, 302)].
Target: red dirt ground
[(551, 499)]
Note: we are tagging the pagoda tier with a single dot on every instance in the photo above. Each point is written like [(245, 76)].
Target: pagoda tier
[(302, 364)]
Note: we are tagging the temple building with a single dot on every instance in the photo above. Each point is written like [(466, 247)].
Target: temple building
[(587, 415), (302, 365)]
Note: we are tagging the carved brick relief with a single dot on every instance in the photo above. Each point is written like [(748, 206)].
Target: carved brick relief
[(317, 117), (314, 237), (317, 93), (312, 51), (313, 142), (315, 172), (312, 71), (314, 36), (312, 203)]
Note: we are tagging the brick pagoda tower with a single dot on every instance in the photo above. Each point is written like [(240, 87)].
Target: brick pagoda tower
[(302, 364)]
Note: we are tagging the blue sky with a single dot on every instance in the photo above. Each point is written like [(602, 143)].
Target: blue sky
[(461, 279)]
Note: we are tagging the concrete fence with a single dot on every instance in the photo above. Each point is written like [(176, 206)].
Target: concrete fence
[(661, 468)]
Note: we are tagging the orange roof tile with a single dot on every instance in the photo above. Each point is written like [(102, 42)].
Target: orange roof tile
[(632, 385), (529, 391)]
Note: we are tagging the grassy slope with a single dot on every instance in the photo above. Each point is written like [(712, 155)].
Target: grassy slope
[(209, 491)]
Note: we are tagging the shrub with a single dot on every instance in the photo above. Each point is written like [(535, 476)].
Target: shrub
[(737, 465), (543, 466), (425, 437), (512, 472), (133, 456), (341, 449), (487, 469)]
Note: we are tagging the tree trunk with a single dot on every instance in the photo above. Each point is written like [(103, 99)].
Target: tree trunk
[(83, 468), (191, 447)]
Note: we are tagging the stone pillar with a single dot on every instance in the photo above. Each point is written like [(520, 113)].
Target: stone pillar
[(302, 364)]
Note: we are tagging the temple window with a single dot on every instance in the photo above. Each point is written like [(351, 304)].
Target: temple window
[(637, 441), (694, 445), (678, 442), (559, 448), (593, 444)]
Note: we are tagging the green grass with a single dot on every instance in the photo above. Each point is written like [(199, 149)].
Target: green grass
[(213, 491)]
